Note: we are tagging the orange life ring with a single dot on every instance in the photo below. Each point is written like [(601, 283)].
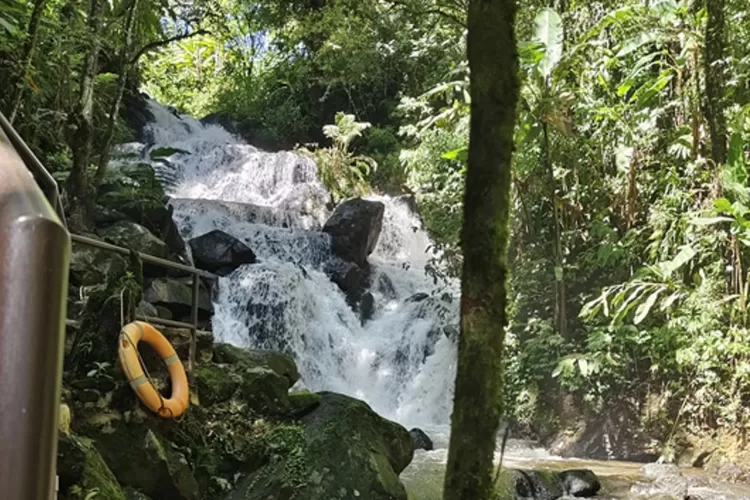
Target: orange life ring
[(130, 335)]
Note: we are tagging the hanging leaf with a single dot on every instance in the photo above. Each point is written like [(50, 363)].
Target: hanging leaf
[(460, 154), (709, 221), (7, 26), (645, 308), (549, 32), (636, 43)]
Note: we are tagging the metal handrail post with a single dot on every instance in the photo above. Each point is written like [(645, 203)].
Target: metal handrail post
[(34, 258), (193, 330)]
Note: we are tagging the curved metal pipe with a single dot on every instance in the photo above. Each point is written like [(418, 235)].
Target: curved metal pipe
[(34, 257)]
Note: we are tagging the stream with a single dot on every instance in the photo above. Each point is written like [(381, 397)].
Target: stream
[(401, 361)]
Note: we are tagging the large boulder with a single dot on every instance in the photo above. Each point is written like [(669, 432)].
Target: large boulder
[(260, 379), (347, 275), (131, 235), (546, 485), (176, 294), (81, 468), (91, 266), (142, 459), (343, 450), (220, 253), (355, 228), (420, 439)]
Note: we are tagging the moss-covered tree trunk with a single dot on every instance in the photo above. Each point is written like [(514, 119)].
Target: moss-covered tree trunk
[(32, 34), (81, 127), (714, 67), (493, 60), (122, 79)]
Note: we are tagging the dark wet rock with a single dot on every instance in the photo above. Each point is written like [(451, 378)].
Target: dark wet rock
[(366, 307), (163, 312), (355, 228), (418, 297), (220, 253), (91, 266), (80, 466), (176, 294), (420, 439), (146, 309), (580, 483), (135, 113), (528, 485), (128, 234), (347, 275), (280, 363), (144, 460), (451, 332)]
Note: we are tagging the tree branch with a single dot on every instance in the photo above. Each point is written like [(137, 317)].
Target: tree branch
[(451, 16), (166, 41)]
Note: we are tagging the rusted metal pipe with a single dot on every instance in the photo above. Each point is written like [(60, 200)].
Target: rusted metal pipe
[(34, 258)]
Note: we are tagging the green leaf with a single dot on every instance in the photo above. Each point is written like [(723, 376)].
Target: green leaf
[(645, 308), (709, 221), (583, 365), (159, 153), (638, 41), (460, 154), (723, 205), (549, 31), (669, 301), (7, 26)]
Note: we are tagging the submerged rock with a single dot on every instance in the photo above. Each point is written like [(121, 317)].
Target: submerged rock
[(347, 275), (366, 307), (220, 253), (420, 439), (355, 228), (580, 483)]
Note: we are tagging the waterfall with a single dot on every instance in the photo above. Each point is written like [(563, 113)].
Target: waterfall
[(401, 361)]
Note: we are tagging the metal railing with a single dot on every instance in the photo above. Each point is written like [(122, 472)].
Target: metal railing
[(34, 265), (34, 258)]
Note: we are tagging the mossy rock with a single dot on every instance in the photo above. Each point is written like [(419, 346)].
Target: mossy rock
[(133, 494), (215, 383), (280, 363), (91, 266), (343, 450), (82, 471), (515, 484), (303, 402), (142, 459), (265, 391), (131, 235)]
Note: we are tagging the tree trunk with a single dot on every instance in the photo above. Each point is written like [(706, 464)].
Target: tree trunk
[(81, 128), (477, 406), (561, 319), (32, 34), (122, 79), (714, 67)]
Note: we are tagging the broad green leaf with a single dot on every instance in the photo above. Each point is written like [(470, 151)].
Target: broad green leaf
[(709, 221), (583, 365), (645, 307), (549, 31), (7, 26), (460, 154), (723, 205), (638, 41)]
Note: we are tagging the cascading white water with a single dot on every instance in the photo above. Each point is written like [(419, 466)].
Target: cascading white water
[(401, 361)]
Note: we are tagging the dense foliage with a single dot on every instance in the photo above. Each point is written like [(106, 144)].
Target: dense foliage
[(631, 197)]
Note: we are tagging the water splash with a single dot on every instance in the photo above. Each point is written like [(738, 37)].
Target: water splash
[(401, 361)]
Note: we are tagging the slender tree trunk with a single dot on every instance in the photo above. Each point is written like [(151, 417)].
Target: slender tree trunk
[(477, 406), (81, 128), (561, 319), (32, 34), (714, 67), (122, 79)]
